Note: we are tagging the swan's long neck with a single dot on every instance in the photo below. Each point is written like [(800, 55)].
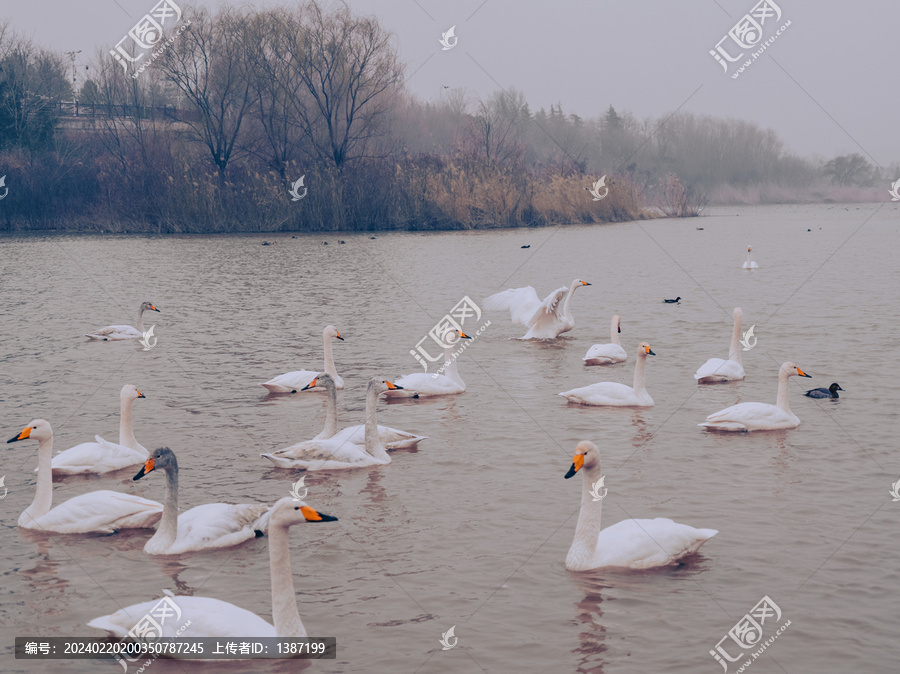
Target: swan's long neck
[(614, 331), (329, 358), (639, 366), (167, 531), (139, 323), (126, 430), (373, 444), (331, 426), (734, 351), (43, 495), (588, 527), (284, 598), (571, 292), (782, 400), (450, 363)]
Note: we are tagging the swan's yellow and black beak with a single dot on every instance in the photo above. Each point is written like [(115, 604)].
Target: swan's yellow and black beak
[(463, 335), (585, 283), (338, 335), (393, 387), (803, 374), (310, 385), (154, 308), (649, 351), (148, 467), (26, 433), (313, 515), (619, 328), (577, 463), (140, 395)]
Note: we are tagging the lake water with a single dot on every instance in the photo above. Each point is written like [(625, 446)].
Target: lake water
[(472, 530)]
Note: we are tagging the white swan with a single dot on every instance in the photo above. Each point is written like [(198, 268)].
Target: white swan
[(113, 333), (215, 618), (632, 544), (749, 264), (336, 454), (97, 511), (716, 369), (544, 320), (606, 354), (613, 393), (759, 416), (391, 438), (422, 384), (291, 382), (102, 456), (214, 525)]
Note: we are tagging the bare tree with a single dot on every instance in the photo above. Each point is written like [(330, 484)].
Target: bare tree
[(499, 126), (849, 169)]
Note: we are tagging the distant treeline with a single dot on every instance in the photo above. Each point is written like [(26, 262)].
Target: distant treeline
[(268, 97)]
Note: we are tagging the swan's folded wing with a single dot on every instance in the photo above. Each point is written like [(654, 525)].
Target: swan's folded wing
[(646, 543), (290, 381), (611, 352), (100, 456), (323, 450), (103, 510), (217, 525), (718, 367), (390, 438), (749, 416), (207, 617), (115, 331), (521, 303)]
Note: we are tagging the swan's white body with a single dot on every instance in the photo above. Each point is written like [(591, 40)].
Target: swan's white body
[(95, 512), (606, 354), (337, 453), (298, 380), (718, 370), (749, 264), (544, 320), (630, 544), (423, 384), (209, 526), (390, 438), (102, 456), (112, 333), (215, 618), (759, 416), (608, 393)]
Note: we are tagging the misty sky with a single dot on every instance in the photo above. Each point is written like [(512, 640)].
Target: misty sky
[(828, 85)]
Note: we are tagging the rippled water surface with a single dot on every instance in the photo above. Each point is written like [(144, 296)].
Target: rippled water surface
[(473, 528)]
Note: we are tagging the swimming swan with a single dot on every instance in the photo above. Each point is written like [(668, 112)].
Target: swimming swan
[(613, 393), (759, 416), (716, 369), (291, 382), (102, 456), (749, 264), (632, 544), (213, 525), (422, 384), (113, 333), (333, 454), (100, 511), (544, 320), (391, 438), (215, 618), (606, 354)]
